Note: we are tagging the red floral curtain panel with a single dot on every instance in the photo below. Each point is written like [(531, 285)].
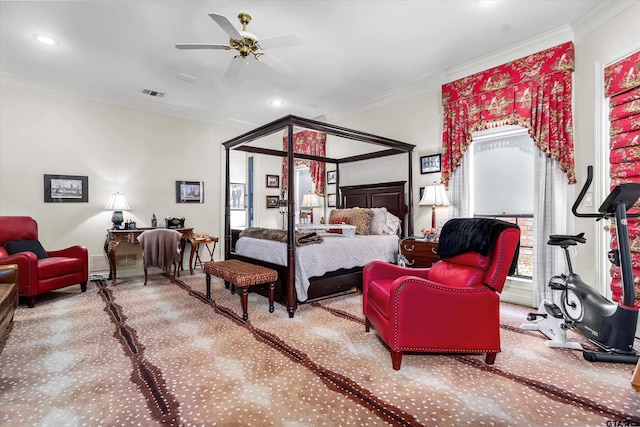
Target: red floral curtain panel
[(312, 143), (622, 87), (533, 92)]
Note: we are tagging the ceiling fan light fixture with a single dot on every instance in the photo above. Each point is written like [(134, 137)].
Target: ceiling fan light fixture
[(46, 40)]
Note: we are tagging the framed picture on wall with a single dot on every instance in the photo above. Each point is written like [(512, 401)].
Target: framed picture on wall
[(332, 177), (272, 202), (273, 181), (189, 192), (331, 200), (430, 164), (66, 188), (238, 195)]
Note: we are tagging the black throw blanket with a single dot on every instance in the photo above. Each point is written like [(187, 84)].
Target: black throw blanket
[(460, 235)]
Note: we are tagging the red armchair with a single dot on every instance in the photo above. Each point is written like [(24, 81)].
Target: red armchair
[(452, 307), (40, 271)]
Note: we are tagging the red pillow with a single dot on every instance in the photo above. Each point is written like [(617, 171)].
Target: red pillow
[(337, 220)]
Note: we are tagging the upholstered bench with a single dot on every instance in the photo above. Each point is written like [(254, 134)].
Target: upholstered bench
[(242, 275)]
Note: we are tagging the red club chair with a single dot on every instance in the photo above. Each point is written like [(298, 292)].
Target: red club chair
[(452, 307), (40, 271)]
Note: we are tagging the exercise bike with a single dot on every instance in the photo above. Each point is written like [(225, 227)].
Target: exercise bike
[(608, 325)]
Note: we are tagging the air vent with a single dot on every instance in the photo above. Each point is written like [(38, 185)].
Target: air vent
[(153, 93)]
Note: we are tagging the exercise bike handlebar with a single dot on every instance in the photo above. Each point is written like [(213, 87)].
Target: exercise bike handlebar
[(583, 192)]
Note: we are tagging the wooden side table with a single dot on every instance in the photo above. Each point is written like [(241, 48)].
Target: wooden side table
[(201, 239), (419, 253)]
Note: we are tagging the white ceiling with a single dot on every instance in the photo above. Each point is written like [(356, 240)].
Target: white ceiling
[(352, 51)]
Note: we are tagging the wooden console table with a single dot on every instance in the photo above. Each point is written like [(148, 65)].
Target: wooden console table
[(115, 237)]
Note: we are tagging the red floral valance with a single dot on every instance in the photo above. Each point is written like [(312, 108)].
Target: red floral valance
[(622, 86), (533, 92), (312, 143)]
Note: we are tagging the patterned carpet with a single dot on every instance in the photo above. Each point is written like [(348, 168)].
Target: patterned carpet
[(162, 355)]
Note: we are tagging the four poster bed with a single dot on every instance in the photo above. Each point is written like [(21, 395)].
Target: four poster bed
[(294, 284)]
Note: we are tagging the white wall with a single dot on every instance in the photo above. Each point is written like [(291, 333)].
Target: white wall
[(137, 153)]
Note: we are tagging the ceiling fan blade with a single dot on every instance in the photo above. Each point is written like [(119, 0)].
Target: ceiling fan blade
[(276, 64), (280, 41), (226, 26), (200, 46), (234, 67)]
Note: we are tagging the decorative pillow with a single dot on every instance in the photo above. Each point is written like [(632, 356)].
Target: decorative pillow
[(377, 222), (17, 246), (391, 224), (361, 218)]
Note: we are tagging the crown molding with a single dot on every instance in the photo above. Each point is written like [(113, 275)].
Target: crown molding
[(120, 101)]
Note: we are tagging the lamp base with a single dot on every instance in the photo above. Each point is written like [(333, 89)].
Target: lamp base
[(117, 219)]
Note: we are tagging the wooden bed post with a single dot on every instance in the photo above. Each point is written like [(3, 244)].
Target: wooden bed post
[(409, 229), (292, 301), (227, 209)]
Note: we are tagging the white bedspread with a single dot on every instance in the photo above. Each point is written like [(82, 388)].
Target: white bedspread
[(334, 253)]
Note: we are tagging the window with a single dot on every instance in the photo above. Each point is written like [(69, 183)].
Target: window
[(502, 170)]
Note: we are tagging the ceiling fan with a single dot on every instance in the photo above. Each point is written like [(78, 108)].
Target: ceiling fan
[(247, 45)]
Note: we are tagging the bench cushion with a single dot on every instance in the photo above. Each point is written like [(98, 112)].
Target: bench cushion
[(240, 273)]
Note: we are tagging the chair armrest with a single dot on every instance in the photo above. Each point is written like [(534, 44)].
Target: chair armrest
[(72, 252), (386, 271), (75, 252)]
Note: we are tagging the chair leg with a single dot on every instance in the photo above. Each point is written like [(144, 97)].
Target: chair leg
[(83, 286), (145, 276), (396, 359), (31, 301), (490, 359), (367, 325)]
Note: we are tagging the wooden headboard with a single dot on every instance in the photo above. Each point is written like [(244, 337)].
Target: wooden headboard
[(390, 195)]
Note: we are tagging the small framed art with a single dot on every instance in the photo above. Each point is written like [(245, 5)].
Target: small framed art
[(66, 188), (273, 181), (238, 191), (272, 202), (430, 164), (189, 192), (332, 177), (331, 200)]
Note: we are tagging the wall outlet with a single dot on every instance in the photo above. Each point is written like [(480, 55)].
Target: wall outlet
[(588, 200)]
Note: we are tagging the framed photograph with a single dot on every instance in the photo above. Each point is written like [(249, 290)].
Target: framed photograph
[(430, 164), (331, 200), (273, 181), (238, 194), (272, 202), (66, 188), (189, 192), (332, 177)]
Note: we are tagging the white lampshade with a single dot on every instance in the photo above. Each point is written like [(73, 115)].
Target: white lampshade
[(434, 195), (310, 200), (117, 202)]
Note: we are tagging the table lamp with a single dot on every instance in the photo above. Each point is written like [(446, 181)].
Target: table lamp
[(310, 201), (434, 195), (117, 203)]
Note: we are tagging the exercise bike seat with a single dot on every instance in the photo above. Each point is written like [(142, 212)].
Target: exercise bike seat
[(566, 239)]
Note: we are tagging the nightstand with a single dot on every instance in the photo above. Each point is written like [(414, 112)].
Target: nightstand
[(419, 253)]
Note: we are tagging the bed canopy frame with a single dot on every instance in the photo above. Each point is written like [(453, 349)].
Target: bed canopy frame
[(288, 123)]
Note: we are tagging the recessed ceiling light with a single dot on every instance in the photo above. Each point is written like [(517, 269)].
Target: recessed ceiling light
[(46, 40), (276, 103)]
